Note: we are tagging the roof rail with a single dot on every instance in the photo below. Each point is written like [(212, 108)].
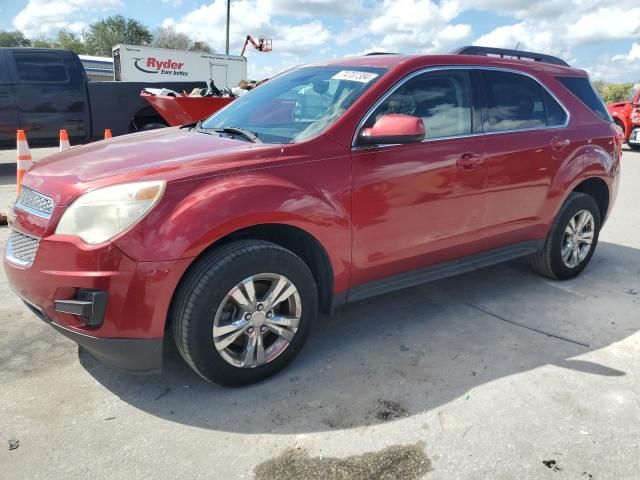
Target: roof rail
[(380, 53), (505, 52)]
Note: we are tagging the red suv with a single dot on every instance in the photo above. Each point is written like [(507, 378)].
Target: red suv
[(328, 184)]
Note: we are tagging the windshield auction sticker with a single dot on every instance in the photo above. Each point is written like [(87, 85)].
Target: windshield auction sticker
[(363, 77)]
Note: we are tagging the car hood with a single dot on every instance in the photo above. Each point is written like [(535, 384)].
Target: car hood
[(168, 154)]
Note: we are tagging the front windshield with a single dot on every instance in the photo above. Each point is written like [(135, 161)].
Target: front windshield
[(297, 105)]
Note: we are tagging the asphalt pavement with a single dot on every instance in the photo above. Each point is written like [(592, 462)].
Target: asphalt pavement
[(496, 374)]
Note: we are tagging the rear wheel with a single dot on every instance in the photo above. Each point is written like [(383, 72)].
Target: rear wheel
[(571, 240), (244, 312), (634, 146)]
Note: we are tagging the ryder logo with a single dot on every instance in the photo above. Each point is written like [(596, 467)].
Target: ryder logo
[(163, 67)]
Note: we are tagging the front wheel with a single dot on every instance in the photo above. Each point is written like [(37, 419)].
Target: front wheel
[(244, 311), (572, 239)]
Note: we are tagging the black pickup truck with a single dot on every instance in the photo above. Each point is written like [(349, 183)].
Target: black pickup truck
[(44, 90)]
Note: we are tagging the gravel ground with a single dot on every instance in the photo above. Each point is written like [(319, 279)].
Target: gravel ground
[(449, 380)]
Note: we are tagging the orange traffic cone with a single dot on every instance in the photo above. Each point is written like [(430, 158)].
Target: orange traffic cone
[(107, 133), (64, 141), (24, 157)]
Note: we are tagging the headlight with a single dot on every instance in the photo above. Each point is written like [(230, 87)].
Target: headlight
[(102, 214)]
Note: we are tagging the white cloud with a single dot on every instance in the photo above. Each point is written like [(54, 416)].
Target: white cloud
[(47, 17), (308, 30), (250, 18), (523, 35), (350, 33), (417, 26), (632, 56), (559, 27), (605, 23), (208, 22), (308, 8), (527, 9), (301, 39), (624, 67)]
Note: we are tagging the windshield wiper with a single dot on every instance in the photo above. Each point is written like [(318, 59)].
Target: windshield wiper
[(247, 134), (236, 131), (197, 127)]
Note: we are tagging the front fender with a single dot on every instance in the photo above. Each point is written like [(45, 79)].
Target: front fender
[(194, 214)]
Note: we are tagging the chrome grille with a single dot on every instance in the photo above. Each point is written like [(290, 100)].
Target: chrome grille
[(21, 248), (34, 202)]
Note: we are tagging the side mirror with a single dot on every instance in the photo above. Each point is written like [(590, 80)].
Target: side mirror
[(393, 128)]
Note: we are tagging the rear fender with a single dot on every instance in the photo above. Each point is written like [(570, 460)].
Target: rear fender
[(588, 161)]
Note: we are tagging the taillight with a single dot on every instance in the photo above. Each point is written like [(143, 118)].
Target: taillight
[(635, 115)]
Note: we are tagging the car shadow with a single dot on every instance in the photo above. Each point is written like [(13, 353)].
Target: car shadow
[(410, 351)]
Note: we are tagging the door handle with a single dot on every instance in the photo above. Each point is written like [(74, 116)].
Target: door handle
[(558, 144), (469, 161)]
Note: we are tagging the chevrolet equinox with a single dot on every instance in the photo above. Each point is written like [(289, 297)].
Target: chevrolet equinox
[(328, 184)]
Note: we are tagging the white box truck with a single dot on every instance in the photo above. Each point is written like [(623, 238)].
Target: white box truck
[(146, 64)]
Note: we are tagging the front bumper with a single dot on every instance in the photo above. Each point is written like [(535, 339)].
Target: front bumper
[(634, 137), (134, 355), (131, 332)]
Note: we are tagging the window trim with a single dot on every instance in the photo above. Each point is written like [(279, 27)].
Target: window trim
[(406, 78)]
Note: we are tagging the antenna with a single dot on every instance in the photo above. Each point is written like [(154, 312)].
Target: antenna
[(517, 45)]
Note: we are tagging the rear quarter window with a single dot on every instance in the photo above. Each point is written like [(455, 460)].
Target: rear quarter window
[(581, 88)]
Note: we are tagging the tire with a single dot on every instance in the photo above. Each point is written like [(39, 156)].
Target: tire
[(549, 260), (203, 300), (634, 146)]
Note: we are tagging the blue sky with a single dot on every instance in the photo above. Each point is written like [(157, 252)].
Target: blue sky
[(600, 36)]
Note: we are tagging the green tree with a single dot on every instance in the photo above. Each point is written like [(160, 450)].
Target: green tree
[(600, 87), (617, 92), (70, 41), (13, 39), (168, 37), (199, 46), (42, 42), (102, 35)]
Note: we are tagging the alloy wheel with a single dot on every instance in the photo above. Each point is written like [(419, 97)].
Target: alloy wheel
[(257, 320), (578, 238)]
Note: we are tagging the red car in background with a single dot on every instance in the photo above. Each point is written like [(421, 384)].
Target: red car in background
[(627, 116), (386, 171)]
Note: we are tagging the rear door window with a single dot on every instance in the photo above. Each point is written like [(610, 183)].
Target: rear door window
[(517, 102), (46, 67), (440, 98), (581, 88)]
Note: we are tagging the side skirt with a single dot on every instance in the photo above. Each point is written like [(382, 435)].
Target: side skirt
[(440, 270)]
